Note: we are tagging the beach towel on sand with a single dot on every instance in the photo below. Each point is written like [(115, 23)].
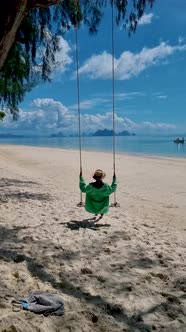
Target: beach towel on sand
[(42, 303)]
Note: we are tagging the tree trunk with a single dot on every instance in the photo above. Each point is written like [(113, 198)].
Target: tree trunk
[(11, 14)]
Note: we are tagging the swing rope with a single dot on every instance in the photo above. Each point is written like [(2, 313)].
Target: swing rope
[(113, 93), (113, 102), (78, 94), (78, 98)]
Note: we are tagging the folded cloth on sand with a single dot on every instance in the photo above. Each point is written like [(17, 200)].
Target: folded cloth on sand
[(42, 303)]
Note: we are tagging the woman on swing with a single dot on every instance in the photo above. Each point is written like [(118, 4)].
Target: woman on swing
[(97, 193)]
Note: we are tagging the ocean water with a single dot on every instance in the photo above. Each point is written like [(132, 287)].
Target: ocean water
[(145, 145)]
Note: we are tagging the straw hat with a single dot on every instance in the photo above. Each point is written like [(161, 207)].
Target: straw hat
[(99, 174)]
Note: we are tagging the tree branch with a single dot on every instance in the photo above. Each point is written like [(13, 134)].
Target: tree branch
[(42, 3), (11, 16)]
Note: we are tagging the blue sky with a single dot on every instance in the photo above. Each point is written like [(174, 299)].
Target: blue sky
[(150, 79)]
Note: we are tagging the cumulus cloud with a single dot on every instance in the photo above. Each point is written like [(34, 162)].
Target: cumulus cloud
[(62, 56), (158, 126), (47, 114), (146, 19), (129, 64), (51, 116)]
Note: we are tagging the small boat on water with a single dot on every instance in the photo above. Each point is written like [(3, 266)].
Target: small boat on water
[(179, 140)]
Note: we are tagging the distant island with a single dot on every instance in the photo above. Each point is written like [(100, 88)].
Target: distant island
[(57, 135), (104, 132), (107, 132), (11, 136)]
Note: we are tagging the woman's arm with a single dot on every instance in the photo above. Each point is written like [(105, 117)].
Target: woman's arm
[(82, 184), (111, 189)]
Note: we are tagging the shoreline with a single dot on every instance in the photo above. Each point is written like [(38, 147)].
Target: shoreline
[(130, 154)]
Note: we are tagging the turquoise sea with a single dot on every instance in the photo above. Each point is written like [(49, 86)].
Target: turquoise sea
[(145, 145)]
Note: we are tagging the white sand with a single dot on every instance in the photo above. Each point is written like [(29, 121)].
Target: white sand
[(125, 273)]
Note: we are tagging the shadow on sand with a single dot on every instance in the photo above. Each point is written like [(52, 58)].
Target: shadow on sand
[(169, 306), (90, 223), (12, 189)]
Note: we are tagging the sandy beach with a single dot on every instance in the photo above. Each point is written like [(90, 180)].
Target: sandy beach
[(126, 272)]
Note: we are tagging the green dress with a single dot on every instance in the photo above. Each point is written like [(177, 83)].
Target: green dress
[(97, 200)]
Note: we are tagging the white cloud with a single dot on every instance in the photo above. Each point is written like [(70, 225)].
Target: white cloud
[(90, 103), (129, 95), (62, 56), (49, 104), (161, 97), (50, 116), (180, 40), (158, 126), (106, 101), (98, 66), (146, 19), (129, 64)]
